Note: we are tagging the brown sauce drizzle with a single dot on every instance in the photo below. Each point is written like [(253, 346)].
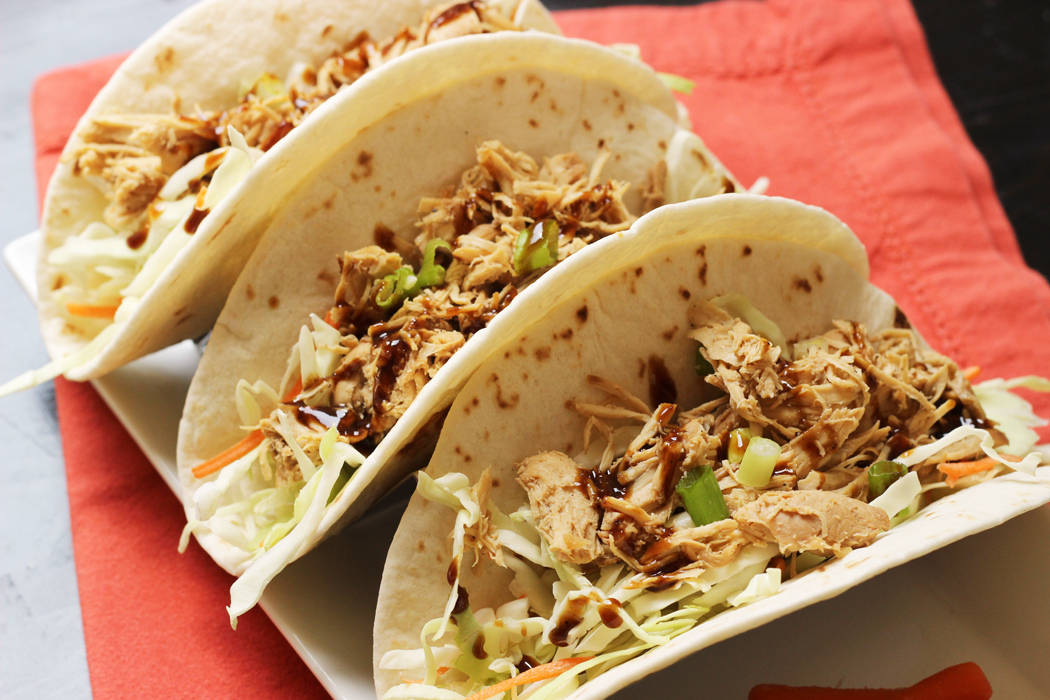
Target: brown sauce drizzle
[(454, 13), (462, 601), (568, 620), (662, 388), (194, 220), (597, 484), (672, 456), (453, 572), (526, 663), (136, 239), (393, 351), (609, 611), (479, 647), (483, 319), (956, 418)]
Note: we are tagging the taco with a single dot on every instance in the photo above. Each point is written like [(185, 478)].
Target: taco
[(735, 404), (386, 278), (199, 134)]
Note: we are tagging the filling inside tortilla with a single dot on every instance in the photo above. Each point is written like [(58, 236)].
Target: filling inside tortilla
[(162, 174), (802, 452), (401, 311)]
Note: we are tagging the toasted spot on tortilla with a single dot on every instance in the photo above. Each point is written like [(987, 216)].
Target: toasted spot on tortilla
[(510, 402), (747, 251), (501, 81), (684, 293), (521, 351), (634, 289), (669, 333), (524, 376), (327, 30), (630, 126), (702, 251), (801, 283), (326, 277), (364, 166), (183, 319), (701, 274), (329, 203), (535, 96), (601, 143), (581, 313), (639, 271), (543, 353), (487, 434), (421, 545), (165, 60), (662, 144), (379, 188), (506, 355), (181, 311), (620, 108), (475, 401), (533, 123), (250, 292), (554, 105), (280, 17), (468, 458), (274, 302), (533, 78), (587, 125), (493, 378), (617, 157), (566, 334), (495, 483), (818, 273)]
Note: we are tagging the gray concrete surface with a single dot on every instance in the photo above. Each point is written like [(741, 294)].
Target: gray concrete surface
[(41, 638)]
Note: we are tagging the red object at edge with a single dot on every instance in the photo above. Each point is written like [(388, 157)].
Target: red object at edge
[(962, 682)]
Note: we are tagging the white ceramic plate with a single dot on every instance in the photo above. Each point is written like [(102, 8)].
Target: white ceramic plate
[(983, 599)]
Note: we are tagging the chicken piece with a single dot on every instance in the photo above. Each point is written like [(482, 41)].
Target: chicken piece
[(133, 184), (812, 521), (744, 363), (813, 448), (288, 470), (564, 513), (715, 544), (359, 270)]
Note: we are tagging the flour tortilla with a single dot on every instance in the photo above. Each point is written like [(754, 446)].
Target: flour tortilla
[(536, 93), (797, 264), (200, 59)]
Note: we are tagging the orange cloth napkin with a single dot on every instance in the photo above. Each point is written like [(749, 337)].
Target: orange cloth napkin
[(837, 103)]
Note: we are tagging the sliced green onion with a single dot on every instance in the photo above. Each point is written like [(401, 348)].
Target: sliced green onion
[(883, 474), (677, 83), (536, 247), (738, 442), (760, 458), (391, 290), (703, 367), (430, 273), (703, 500)]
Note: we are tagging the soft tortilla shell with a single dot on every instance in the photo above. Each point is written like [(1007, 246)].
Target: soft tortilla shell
[(535, 93), (200, 59), (514, 406)]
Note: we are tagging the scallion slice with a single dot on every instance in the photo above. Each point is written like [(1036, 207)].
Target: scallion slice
[(430, 273), (703, 500), (882, 475), (760, 458), (536, 247)]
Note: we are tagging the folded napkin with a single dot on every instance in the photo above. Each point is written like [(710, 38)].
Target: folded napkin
[(837, 103)]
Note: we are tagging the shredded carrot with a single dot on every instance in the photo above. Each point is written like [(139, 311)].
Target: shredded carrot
[(971, 373), (90, 310), (538, 673), (296, 389), (228, 456), (957, 470), (329, 320)]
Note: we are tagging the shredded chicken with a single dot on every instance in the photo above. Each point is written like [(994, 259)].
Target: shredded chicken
[(812, 521), (131, 156), (396, 342), (564, 513), (846, 401)]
